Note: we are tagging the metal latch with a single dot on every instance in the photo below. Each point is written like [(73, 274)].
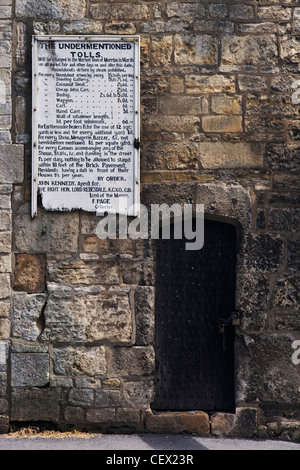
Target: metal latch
[(233, 319)]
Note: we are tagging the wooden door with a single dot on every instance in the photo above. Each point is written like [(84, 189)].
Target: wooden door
[(194, 290)]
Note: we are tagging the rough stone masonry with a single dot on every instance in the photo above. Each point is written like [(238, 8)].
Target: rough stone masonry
[(220, 95)]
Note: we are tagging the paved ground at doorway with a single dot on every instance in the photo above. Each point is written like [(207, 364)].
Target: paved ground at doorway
[(145, 442)]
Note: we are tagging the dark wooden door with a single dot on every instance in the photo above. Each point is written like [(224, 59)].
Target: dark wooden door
[(194, 289)]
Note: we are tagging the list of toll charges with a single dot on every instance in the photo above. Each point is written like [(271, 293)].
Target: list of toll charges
[(86, 115)]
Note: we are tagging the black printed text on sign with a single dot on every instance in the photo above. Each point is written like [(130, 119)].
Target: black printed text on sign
[(86, 123)]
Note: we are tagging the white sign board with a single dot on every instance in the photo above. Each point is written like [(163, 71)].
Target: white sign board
[(86, 115)]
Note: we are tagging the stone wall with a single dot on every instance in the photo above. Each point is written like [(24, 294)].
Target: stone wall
[(220, 126)]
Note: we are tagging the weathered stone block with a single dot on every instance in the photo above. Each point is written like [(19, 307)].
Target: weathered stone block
[(217, 10), (4, 328), (5, 308), (119, 11), (100, 415), (284, 220), (231, 155), (21, 47), (164, 26), (262, 128), (238, 52), (93, 244), (243, 423), (5, 121), (228, 123), (48, 231), (24, 347), (4, 424), (222, 423), (111, 383), (138, 360), (243, 12), (287, 292), (285, 321), (223, 104), (29, 369), (87, 382), (144, 315), (5, 220), (180, 193), (283, 428), (262, 252), (231, 201), (214, 27), (5, 264), (85, 272), (82, 397), (185, 10), (22, 82), (171, 123), (290, 49), (30, 272), (265, 371), (180, 105), (5, 137), (277, 104), (252, 82), (5, 242), (5, 286), (81, 26), (5, 97), (293, 261), (107, 315), (108, 398), (297, 19), (284, 181), (175, 156), (119, 27), (283, 157), (195, 49), (20, 119), (177, 422), (274, 12), (28, 315), (252, 300), (282, 83), (162, 48), (176, 85), (49, 27), (46, 9), (5, 12), (137, 272), (139, 393), (154, 86), (74, 414), (35, 405), (5, 201), (3, 353), (129, 416), (196, 84), (80, 360)]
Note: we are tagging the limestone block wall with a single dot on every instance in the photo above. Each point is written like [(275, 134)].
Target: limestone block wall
[(220, 127)]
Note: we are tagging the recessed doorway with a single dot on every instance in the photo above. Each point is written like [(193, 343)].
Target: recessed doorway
[(195, 293)]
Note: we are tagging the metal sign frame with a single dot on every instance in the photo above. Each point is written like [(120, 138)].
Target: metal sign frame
[(38, 103)]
